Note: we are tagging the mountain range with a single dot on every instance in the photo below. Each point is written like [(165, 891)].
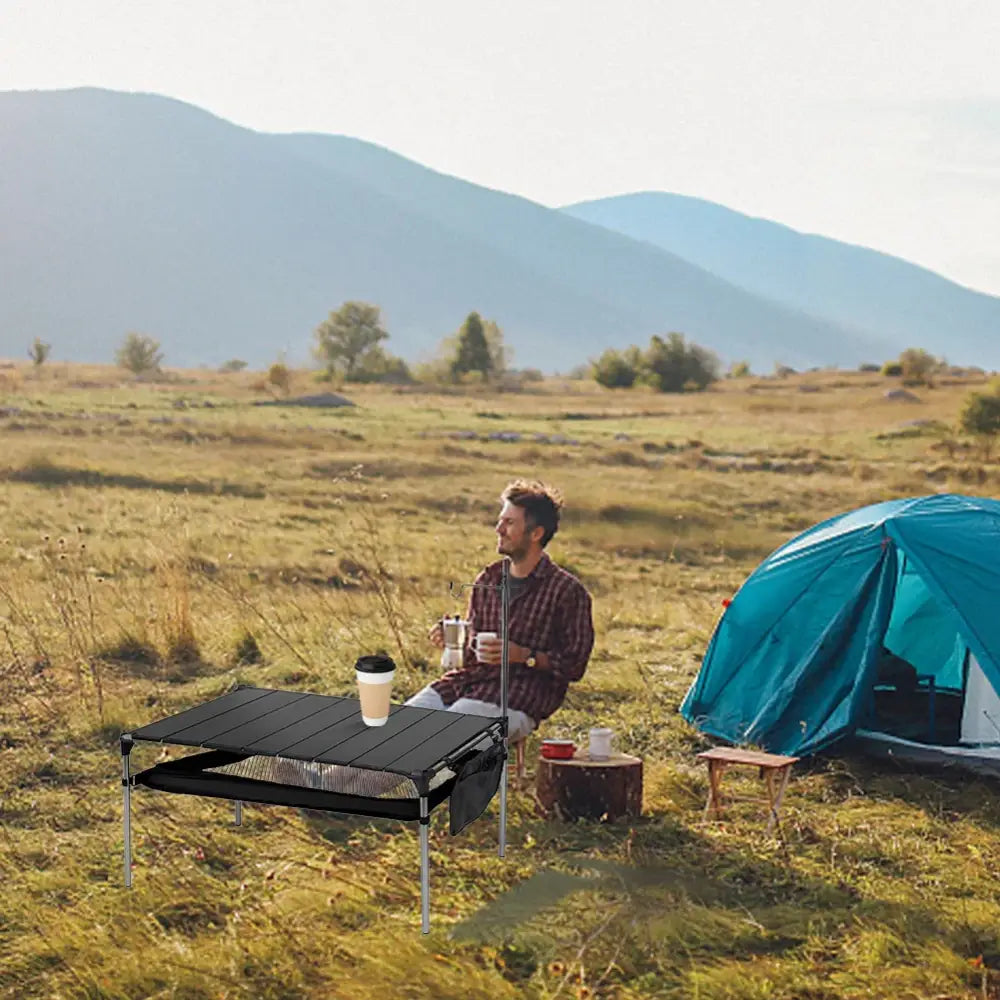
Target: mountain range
[(852, 285), (127, 212)]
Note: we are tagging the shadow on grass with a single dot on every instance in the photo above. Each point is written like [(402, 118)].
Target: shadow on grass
[(943, 793), (44, 473), (766, 908), (341, 828), (749, 880)]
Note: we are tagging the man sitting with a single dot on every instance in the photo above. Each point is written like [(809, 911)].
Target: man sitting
[(550, 626)]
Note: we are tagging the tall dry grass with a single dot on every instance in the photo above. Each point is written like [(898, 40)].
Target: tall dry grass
[(208, 546)]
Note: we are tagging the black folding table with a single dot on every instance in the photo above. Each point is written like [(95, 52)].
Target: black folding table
[(314, 751)]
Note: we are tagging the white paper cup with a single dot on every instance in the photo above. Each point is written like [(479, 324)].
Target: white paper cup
[(374, 691), (483, 635)]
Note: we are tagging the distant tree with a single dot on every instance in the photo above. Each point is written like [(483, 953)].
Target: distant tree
[(39, 352), (614, 370), (918, 365), (869, 367), (472, 350), (347, 336), (783, 371), (463, 352), (139, 354), (739, 369), (501, 355), (672, 365), (891, 369), (233, 365)]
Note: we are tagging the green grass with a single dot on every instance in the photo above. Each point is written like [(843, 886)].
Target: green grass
[(145, 545)]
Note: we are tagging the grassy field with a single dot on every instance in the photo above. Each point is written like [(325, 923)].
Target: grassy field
[(155, 537)]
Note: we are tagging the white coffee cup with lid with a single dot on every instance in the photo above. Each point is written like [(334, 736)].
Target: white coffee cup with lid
[(375, 674)]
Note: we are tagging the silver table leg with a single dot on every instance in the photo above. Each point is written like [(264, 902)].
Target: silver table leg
[(502, 847), (425, 861), (238, 814), (126, 748)]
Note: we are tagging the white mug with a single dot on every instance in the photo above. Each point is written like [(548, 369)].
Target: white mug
[(600, 743), (483, 635)]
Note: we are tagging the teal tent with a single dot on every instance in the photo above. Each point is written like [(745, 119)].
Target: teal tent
[(798, 659)]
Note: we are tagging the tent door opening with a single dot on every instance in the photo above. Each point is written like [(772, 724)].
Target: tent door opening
[(927, 687)]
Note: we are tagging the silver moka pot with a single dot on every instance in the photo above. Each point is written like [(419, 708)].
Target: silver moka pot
[(455, 631)]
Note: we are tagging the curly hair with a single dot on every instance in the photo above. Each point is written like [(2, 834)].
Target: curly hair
[(541, 505)]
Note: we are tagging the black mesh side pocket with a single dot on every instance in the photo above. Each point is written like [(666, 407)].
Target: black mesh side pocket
[(476, 784)]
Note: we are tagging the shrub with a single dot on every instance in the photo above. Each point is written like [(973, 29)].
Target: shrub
[(892, 368), (39, 352), (672, 365), (233, 365), (614, 371), (918, 365), (139, 354), (378, 365), (981, 414), (279, 376)]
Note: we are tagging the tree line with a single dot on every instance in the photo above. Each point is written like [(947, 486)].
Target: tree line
[(350, 346)]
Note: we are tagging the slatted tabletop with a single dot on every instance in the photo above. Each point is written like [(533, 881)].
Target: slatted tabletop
[(321, 728), (737, 755)]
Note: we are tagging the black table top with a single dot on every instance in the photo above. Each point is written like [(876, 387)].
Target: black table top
[(321, 728)]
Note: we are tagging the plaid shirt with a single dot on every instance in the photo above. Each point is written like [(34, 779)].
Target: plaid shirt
[(551, 614)]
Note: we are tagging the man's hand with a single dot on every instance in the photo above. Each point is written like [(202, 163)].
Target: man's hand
[(491, 651), (488, 649), (436, 635)]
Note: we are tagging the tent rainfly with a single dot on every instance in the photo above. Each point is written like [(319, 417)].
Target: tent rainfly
[(881, 624)]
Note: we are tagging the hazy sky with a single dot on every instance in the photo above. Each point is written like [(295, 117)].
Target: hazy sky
[(874, 121)]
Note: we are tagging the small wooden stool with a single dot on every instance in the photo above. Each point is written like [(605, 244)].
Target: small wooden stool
[(774, 769)]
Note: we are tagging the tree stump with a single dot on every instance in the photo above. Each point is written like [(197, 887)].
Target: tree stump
[(581, 788)]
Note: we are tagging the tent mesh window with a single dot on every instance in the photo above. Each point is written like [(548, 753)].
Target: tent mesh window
[(340, 779)]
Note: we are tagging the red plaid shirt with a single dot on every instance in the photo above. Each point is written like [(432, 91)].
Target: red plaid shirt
[(551, 614)]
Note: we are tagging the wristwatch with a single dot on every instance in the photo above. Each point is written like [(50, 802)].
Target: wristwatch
[(531, 660)]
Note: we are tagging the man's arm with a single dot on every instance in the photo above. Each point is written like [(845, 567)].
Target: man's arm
[(574, 631)]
